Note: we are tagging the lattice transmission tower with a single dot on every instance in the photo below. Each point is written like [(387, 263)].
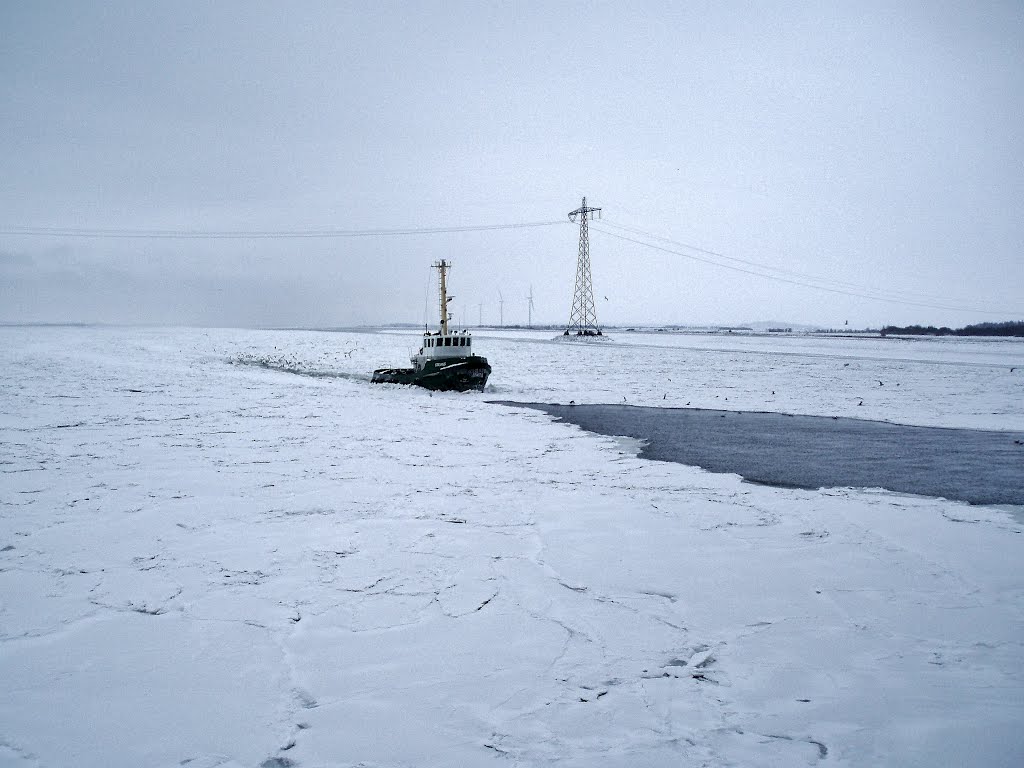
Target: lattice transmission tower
[(583, 318)]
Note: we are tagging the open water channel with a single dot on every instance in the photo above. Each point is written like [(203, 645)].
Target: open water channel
[(975, 466)]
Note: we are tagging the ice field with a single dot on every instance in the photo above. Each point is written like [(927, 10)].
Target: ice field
[(227, 548)]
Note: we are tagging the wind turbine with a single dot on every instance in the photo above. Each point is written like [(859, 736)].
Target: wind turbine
[(501, 310), (529, 309)]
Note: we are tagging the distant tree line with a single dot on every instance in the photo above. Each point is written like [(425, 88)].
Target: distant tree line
[(1009, 328)]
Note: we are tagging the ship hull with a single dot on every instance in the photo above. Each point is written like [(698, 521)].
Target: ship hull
[(454, 374)]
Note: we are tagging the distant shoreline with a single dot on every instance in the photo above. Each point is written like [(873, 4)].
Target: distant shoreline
[(1010, 328)]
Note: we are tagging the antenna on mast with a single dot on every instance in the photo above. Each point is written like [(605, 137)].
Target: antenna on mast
[(583, 317)]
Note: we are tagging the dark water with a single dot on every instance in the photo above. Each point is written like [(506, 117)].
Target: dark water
[(975, 466)]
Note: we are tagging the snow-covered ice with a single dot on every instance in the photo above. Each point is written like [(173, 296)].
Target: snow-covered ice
[(226, 548)]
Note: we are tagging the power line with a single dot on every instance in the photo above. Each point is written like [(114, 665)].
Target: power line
[(914, 295), (713, 258), (170, 234), (802, 283)]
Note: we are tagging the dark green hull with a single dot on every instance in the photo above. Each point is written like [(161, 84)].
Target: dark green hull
[(453, 374)]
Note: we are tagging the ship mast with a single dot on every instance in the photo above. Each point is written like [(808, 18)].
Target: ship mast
[(442, 267)]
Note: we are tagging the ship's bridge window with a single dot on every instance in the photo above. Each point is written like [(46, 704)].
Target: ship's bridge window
[(448, 341)]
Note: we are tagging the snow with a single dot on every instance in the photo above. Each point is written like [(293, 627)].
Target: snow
[(226, 548)]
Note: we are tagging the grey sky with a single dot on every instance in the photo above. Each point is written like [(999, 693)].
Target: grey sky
[(878, 145)]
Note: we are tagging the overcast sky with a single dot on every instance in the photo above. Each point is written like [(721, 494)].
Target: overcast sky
[(873, 148)]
